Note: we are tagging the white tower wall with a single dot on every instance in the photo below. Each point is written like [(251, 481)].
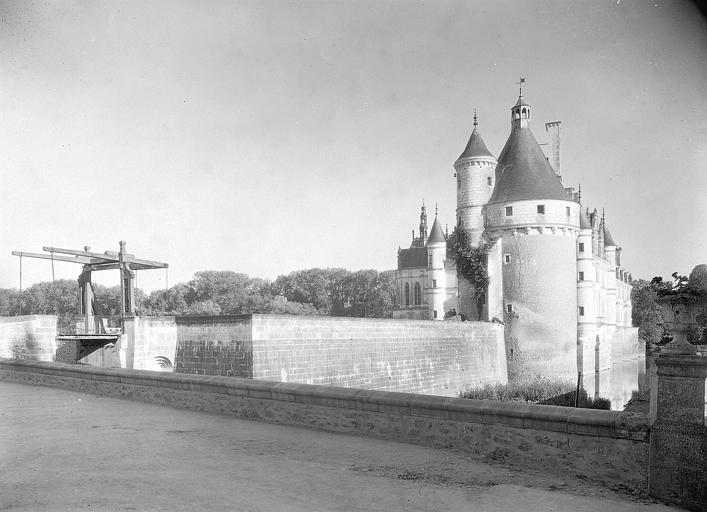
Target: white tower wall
[(475, 182), (436, 289)]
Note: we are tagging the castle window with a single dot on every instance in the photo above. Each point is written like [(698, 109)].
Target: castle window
[(434, 313), (418, 294), (459, 183), (581, 310), (581, 276), (509, 308), (509, 211), (506, 258), (407, 294), (489, 180), (581, 247), (541, 209), (567, 209), (434, 283)]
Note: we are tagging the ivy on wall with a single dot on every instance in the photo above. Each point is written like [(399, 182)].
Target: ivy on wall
[(472, 264)]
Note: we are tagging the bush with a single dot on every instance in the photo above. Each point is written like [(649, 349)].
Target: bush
[(539, 390), (533, 390)]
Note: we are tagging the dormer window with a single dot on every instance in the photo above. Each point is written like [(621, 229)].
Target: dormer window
[(509, 211), (541, 209)]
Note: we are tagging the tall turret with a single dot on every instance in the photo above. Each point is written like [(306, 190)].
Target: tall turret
[(537, 223), (611, 287), (475, 181), (436, 289), (586, 316)]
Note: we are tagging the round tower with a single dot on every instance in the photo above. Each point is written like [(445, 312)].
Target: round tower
[(436, 289), (538, 223), (475, 181)]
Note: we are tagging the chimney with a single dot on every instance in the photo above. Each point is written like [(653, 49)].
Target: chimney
[(553, 129)]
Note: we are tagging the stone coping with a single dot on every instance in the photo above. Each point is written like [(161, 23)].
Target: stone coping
[(25, 318), (590, 422), (219, 319)]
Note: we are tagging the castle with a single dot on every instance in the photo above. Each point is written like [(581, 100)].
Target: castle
[(554, 271)]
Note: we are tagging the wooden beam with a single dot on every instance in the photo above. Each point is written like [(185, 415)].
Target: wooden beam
[(115, 254), (83, 261), (146, 263), (109, 257), (114, 266), (103, 258)]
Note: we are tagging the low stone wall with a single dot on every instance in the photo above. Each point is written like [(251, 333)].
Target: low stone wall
[(28, 336), (603, 446)]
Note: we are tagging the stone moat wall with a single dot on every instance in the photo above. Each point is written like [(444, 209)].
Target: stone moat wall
[(395, 355)]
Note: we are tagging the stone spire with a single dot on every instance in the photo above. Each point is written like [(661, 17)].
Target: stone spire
[(423, 222)]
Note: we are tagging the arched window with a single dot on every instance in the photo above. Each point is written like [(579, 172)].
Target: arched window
[(407, 294), (418, 294)]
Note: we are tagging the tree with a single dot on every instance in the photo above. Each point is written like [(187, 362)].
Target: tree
[(316, 286), (279, 305), (166, 302), (46, 298), (9, 301), (646, 314), (203, 308)]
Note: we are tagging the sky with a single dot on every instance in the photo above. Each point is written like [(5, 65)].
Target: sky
[(265, 137)]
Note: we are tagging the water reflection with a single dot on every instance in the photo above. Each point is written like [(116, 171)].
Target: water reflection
[(618, 382)]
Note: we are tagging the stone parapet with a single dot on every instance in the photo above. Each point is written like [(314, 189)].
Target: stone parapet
[(603, 446)]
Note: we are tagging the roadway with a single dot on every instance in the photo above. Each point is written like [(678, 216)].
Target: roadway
[(61, 450)]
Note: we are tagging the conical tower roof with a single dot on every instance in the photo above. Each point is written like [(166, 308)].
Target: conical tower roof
[(436, 234), (608, 239), (476, 146), (523, 172), (584, 222)]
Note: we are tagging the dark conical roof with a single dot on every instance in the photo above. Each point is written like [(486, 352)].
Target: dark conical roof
[(608, 240), (584, 222), (436, 234), (523, 172), (475, 146)]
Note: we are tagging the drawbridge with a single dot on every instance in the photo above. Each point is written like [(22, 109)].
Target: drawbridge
[(92, 333)]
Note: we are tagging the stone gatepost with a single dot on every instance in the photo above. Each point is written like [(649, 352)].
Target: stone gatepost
[(678, 439)]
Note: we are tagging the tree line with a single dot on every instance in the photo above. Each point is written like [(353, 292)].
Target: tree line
[(331, 291)]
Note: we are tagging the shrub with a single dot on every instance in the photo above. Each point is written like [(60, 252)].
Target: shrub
[(533, 390), (539, 390)]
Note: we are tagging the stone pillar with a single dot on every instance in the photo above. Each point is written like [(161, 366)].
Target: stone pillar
[(127, 343), (678, 440)]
